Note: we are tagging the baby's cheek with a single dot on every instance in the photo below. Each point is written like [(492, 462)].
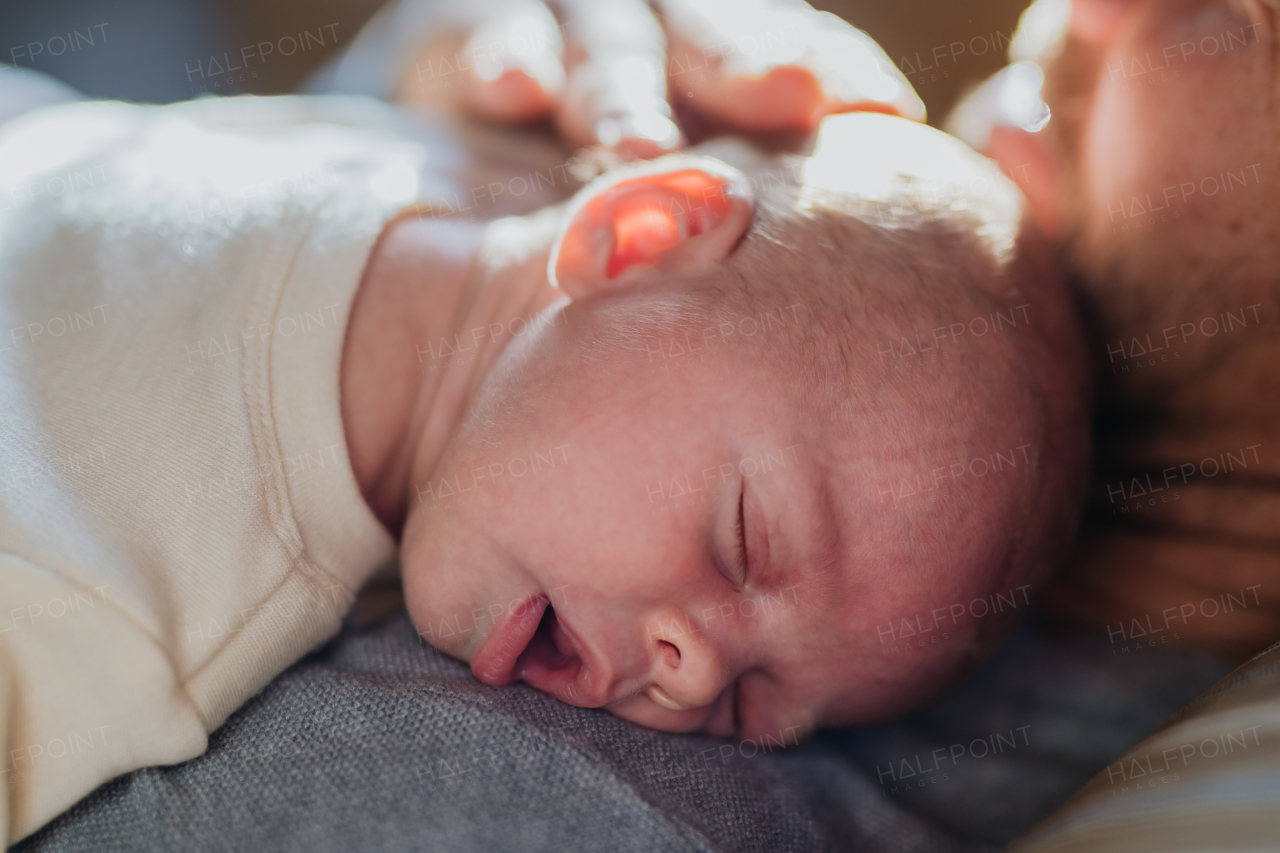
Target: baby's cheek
[(436, 622), (788, 730)]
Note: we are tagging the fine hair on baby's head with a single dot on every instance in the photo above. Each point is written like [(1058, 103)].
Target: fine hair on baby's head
[(940, 317), (821, 466)]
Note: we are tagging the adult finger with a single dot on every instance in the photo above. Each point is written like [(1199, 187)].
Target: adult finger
[(762, 65), (616, 85), (1002, 119), (502, 62)]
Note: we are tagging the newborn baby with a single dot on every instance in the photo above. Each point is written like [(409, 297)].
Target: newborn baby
[(680, 449), (756, 418)]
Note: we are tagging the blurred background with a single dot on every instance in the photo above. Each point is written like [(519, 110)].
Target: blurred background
[(170, 50)]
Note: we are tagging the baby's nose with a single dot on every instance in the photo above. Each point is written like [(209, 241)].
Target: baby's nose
[(687, 667)]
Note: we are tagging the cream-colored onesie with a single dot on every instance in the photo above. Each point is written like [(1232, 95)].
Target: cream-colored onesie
[(179, 521)]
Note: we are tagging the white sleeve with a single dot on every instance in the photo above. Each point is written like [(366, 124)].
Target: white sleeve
[(179, 521)]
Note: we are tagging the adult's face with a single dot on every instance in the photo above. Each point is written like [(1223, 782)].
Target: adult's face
[(1157, 171), (1167, 125)]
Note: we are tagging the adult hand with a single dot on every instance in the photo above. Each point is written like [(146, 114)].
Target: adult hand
[(610, 71)]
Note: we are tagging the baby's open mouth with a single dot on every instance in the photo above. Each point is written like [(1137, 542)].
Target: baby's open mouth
[(495, 662), (549, 647), (532, 639)]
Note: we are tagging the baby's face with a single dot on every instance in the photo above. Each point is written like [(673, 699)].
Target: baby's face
[(672, 529)]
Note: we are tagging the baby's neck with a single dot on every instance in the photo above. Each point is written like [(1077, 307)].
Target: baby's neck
[(422, 337)]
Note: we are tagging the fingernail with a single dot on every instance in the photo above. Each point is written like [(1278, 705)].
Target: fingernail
[(652, 127), (489, 68), (1009, 99), (1018, 98)]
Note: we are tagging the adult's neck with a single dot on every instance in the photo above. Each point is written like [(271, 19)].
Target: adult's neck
[(422, 337), (1184, 360)]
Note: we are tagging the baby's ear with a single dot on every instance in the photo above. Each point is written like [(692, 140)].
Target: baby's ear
[(680, 212)]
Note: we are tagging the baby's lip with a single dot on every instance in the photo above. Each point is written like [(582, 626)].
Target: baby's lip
[(495, 663)]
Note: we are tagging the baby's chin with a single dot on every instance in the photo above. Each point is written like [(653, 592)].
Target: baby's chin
[(445, 627)]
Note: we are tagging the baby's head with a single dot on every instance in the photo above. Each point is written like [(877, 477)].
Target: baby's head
[(791, 453)]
